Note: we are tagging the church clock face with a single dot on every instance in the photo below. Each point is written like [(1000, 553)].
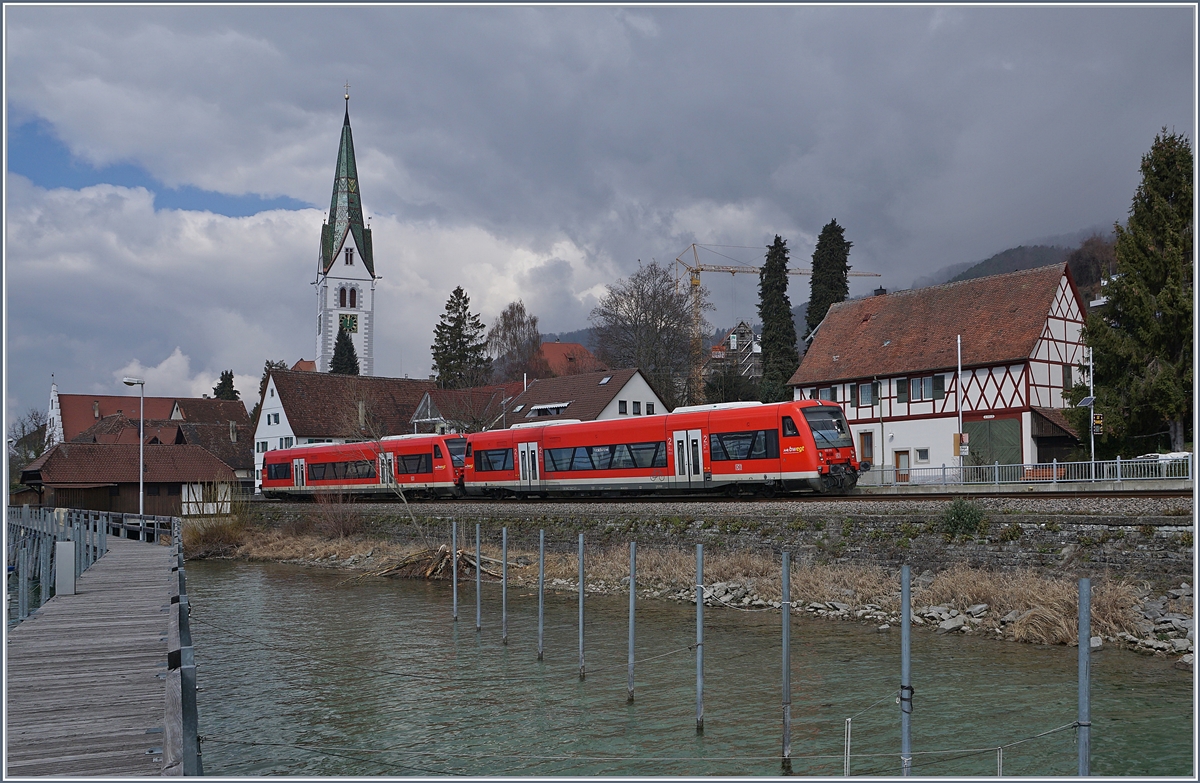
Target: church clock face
[(350, 323)]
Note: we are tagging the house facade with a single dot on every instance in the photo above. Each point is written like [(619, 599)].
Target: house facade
[(464, 410), (891, 362), (299, 407), (609, 394), (739, 349)]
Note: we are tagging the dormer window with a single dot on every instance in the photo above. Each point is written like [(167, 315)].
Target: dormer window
[(349, 256)]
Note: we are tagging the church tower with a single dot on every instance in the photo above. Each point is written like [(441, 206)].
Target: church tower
[(346, 269)]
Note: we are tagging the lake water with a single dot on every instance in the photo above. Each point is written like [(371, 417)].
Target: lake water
[(313, 672)]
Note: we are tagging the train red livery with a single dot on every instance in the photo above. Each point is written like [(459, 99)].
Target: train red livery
[(728, 448)]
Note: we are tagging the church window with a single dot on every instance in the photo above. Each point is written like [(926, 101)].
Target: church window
[(353, 298), (341, 297), (349, 256)]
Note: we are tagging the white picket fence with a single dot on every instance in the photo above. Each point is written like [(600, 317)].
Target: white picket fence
[(1175, 469)]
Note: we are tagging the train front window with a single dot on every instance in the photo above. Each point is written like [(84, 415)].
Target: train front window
[(458, 450), (828, 428), (789, 427)]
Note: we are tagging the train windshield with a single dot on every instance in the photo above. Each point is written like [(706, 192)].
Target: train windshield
[(458, 449), (828, 428)]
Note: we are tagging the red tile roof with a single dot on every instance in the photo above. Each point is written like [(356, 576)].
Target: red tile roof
[(1000, 319), (75, 464), (206, 410), (320, 404), (305, 365), (586, 395), (214, 437), (80, 411), (570, 358), (119, 428)]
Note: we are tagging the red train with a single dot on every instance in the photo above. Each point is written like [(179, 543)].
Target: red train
[(730, 448)]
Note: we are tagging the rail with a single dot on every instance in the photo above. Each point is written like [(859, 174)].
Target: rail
[(1054, 472)]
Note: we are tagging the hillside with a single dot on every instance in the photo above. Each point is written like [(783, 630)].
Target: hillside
[(1015, 259)]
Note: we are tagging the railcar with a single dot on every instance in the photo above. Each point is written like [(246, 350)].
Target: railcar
[(423, 465), (729, 448)]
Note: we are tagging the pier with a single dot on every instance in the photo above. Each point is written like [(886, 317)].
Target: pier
[(102, 682)]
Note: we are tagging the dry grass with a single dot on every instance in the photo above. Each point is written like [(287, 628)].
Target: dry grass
[(213, 536)]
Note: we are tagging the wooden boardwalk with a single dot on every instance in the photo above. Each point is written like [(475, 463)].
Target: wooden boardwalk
[(86, 686)]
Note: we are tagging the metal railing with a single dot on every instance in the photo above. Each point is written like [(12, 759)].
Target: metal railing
[(1174, 469)]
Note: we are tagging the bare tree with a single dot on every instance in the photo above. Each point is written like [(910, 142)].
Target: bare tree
[(515, 345), (26, 442), (644, 322)]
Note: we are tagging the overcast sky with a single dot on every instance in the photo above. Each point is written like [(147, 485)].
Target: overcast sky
[(168, 168)]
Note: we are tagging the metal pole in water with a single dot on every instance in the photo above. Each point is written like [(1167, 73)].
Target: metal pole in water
[(581, 670), (478, 597), (632, 598), (906, 691), (786, 573), (699, 638), (541, 590), (454, 565), (504, 586), (1085, 649)]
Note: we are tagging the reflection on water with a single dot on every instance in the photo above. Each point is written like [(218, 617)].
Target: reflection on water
[(309, 672)]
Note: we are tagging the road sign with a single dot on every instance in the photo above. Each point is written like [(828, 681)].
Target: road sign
[(1097, 423), (961, 447)]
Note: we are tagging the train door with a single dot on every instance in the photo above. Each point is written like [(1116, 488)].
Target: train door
[(527, 466), (387, 468), (689, 459), (298, 472)]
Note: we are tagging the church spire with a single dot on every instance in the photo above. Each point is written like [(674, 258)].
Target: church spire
[(345, 206)]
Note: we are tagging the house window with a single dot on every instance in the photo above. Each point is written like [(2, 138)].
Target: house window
[(866, 446), (902, 390), (922, 455), (260, 447), (930, 388), (287, 443), (272, 392), (173, 489), (637, 409), (341, 297), (649, 409), (152, 490), (622, 408), (349, 256), (353, 298), (1067, 376), (258, 475), (828, 393), (603, 380), (868, 393), (733, 342)]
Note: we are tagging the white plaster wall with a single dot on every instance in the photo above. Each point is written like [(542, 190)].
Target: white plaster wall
[(635, 390), (271, 433)]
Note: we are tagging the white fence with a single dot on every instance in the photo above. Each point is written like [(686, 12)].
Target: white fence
[(1176, 468)]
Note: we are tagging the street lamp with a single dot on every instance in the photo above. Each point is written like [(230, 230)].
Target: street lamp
[(141, 384)]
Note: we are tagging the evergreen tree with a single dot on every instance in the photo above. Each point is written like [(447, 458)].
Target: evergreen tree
[(1142, 338), (459, 348), (729, 385), (345, 359), (830, 269), (779, 355), (224, 389), (268, 365)]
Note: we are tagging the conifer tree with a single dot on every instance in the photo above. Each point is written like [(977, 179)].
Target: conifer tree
[(224, 389), (1142, 337), (779, 355), (459, 348), (345, 358), (830, 271)]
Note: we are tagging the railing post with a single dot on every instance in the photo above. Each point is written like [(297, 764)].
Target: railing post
[(1054, 470), (1118, 467), (1085, 647), (64, 556), (997, 468), (943, 474)]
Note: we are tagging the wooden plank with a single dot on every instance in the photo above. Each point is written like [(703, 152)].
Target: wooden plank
[(87, 676)]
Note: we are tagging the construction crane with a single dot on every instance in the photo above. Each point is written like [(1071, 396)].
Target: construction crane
[(694, 269)]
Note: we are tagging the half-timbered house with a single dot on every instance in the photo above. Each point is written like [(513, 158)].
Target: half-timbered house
[(890, 361)]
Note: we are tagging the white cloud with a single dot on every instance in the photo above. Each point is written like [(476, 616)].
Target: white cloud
[(172, 377)]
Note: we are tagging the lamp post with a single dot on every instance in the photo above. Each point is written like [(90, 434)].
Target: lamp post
[(141, 384)]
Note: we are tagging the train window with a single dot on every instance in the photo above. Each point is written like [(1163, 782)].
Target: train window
[(469, 450), (437, 451), (329, 471), (755, 444), (457, 448), (622, 456), (789, 427), (649, 455), (280, 470), (414, 463), (828, 427), (695, 457), (493, 459)]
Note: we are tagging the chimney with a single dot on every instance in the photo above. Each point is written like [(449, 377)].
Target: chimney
[(233, 432), (881, 291), (362, 414), (96, 408)]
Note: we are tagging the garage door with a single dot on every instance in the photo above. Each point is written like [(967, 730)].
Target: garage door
[(994, 440)]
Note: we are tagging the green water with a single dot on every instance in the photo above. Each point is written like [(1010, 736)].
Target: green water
[(309, 672)]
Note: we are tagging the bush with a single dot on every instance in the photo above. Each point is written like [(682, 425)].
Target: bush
[(962, 518), (1011, 533)]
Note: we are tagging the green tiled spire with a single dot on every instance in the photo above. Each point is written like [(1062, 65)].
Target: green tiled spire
[(345, 208)]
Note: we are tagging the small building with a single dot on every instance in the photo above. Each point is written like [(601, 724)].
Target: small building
[(890, 360), (300, 407), (570, 359), (463, 410), (609, 394), (71, 414), (739, 350), (179, 480)]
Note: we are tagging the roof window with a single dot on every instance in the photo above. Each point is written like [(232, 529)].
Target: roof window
[(605, 379), (518, 408)]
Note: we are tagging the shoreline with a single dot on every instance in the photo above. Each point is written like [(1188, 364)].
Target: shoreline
[(1011, 606)]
